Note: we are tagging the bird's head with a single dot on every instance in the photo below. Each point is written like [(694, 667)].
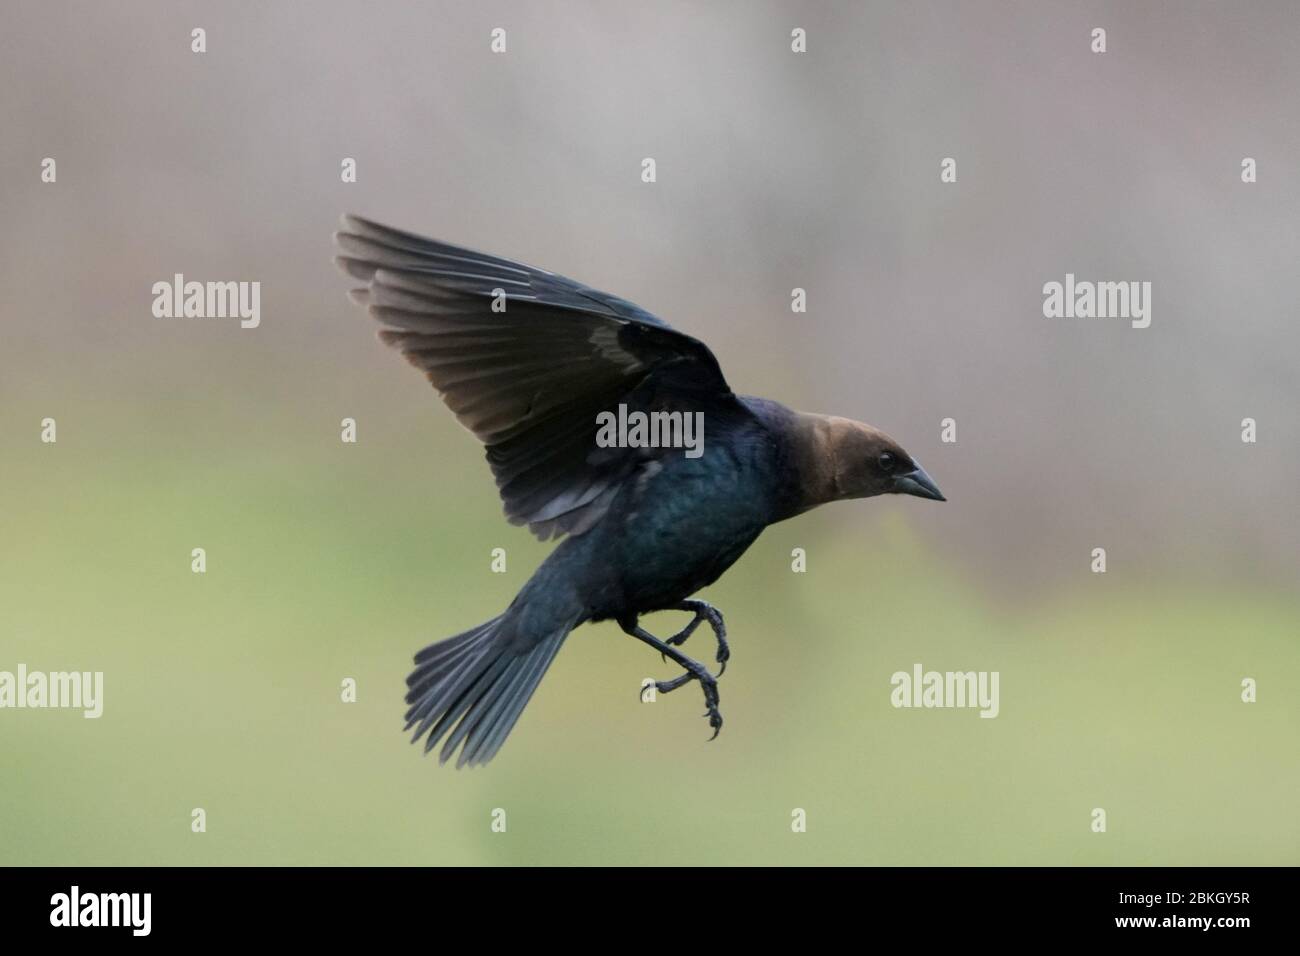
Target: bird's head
[(861, 461)]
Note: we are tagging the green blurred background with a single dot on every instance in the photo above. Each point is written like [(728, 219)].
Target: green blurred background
[(328, 561)]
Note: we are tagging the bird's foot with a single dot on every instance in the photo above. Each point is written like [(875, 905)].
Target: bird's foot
[(708, 683), (694, 670), (704, 612)]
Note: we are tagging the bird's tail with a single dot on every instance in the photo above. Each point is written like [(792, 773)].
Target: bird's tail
[(481, 678)]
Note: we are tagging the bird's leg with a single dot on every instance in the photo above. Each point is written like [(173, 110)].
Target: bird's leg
[(704, 611), (694, 671)]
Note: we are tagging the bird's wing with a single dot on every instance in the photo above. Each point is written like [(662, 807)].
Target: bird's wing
[(526, 360)]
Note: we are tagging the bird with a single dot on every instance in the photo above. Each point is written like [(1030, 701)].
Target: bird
[(529, 362)]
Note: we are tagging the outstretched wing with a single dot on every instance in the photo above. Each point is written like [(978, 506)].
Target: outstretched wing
[(526, 360)]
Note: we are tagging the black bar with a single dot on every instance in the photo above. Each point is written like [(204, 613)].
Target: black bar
[(302, 905)]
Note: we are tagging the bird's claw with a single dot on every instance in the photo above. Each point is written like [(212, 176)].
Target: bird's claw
[(711, 700), (715, 721), (705, 612), (667, 686), (678, 639), (708, 683), (692, 670)]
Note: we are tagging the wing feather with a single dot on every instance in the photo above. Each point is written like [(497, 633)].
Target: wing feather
[(526, 360)]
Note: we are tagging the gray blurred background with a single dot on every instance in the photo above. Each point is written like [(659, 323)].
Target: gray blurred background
[(775, 170)]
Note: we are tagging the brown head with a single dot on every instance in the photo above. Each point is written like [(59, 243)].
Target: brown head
[(841, 459)]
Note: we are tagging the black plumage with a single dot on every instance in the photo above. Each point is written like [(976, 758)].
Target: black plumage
[(527, 360)]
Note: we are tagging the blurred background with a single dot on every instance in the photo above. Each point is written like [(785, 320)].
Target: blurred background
[(775, 170)]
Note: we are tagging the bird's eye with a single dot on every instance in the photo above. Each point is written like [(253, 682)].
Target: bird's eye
[(886, 461)]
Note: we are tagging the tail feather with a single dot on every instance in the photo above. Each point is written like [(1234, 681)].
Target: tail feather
[(432, 663), (472, 688)]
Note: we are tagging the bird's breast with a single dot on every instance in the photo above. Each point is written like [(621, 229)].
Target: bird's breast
[(682, 522)]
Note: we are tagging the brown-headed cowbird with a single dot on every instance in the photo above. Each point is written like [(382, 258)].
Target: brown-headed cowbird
[(536, 365)]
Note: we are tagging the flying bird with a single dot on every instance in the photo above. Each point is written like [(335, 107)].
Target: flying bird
[(529, 361)]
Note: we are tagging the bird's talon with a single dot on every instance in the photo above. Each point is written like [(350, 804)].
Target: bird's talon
[(715, 721)]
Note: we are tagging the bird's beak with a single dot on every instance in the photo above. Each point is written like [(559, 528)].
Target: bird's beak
[(918, 483)]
